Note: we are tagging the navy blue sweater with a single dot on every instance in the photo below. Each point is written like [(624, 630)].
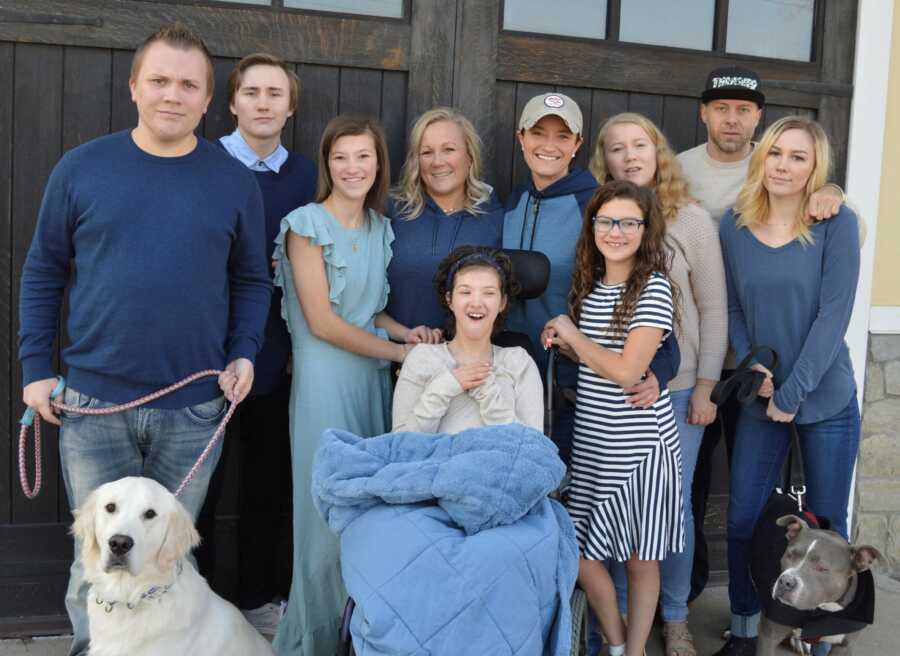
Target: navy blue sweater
[(550, 221), (293, 186), (167, 262), (419, 246)]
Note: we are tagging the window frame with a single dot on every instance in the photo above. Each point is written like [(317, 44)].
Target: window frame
[(277, 6)]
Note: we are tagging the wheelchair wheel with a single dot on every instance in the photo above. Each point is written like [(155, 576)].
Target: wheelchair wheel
[(580, 612), (345, 642)]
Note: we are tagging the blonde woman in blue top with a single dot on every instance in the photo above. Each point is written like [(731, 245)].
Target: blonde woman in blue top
[(439, 204), (791, 286), (332, 258)]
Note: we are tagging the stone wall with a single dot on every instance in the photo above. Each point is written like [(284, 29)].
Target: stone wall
[(878, 472)]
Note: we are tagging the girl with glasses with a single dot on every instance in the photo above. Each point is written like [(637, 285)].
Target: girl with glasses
[(631, 147), (625, 492)]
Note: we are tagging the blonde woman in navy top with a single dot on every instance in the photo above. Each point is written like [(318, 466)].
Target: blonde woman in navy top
[(440, 203), (791, 286)]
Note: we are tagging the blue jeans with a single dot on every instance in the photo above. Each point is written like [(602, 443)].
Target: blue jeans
[(829, 449), (675, 570), (154, 443)]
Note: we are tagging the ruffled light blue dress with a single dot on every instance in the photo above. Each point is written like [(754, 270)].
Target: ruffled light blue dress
[(332, 388)]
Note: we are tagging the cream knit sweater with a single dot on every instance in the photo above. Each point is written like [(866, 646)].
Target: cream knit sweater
[(429, 399), (698, 271)]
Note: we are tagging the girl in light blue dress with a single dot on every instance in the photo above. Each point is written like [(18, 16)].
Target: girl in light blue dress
[(332, 258)]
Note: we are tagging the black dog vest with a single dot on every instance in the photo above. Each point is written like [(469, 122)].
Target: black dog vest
[(768, 546)]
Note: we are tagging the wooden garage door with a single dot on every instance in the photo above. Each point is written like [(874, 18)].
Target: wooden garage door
[(65, 67)]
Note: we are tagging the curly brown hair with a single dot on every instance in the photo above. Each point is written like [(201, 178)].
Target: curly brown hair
[(465, 257), (653, 255)]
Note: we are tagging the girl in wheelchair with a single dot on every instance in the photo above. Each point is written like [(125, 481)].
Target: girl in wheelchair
[(467, 381)]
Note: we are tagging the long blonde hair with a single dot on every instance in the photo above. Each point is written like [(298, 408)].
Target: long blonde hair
[(752, 206), (410, 190), (669, 183)]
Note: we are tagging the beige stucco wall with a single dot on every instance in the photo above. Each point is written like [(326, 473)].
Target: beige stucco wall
[(886, 282)]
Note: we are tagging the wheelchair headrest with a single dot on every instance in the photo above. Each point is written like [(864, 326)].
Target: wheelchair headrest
[(531, 270)]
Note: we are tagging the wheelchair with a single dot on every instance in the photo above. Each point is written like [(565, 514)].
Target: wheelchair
[(532, 271)]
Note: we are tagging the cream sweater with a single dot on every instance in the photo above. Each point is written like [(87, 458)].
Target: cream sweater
[(429, 399), (698, 271)]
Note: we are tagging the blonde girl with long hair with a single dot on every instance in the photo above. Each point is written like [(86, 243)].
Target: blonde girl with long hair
[(791, 286), (631, 147)]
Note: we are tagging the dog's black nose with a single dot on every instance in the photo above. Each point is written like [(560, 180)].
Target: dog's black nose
[(787, 583), (120, 544)]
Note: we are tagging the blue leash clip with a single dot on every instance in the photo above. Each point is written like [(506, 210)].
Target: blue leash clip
[(28, 418)]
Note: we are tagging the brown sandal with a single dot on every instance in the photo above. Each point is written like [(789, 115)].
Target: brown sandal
[(679, 641)]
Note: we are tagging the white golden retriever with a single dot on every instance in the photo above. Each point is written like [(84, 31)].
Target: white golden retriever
[(146, 598)]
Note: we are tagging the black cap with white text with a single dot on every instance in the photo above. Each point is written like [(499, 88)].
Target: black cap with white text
[(733, 83)]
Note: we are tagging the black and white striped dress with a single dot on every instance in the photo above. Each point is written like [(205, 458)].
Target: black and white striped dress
[(625, 492)]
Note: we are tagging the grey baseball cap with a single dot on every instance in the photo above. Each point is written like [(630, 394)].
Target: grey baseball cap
[(552, 104)]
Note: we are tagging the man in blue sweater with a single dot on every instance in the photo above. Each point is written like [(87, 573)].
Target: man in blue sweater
[(263, 92), (161, 236)]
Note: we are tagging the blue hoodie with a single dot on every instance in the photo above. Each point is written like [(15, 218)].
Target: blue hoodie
[(419, 246), (549, 221)]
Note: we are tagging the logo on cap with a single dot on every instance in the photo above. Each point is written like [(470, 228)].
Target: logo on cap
[(732, 81), (554, 102)]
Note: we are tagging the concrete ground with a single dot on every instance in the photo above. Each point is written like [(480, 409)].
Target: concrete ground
[(709, 616)]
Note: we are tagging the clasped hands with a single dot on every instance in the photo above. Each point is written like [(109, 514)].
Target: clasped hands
[(767, 391)]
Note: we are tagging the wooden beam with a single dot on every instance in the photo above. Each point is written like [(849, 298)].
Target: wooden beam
[(837, 39), (228, 31), (635, 68), (475, 75), (431, 56)]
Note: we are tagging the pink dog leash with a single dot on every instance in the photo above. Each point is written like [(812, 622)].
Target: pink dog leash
[(30, 417)]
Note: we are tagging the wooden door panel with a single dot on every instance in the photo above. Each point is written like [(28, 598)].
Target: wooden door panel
[(37, 145), (9, 395), (319, 98)]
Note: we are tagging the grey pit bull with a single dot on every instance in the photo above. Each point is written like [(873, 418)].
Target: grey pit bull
[(818, 571)]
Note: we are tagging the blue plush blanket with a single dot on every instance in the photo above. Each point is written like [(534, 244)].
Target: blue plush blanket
[(449, 544)]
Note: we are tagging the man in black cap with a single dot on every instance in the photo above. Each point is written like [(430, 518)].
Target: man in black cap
[(732, 106), (731, 109)]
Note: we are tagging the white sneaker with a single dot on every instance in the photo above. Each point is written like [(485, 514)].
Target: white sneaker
[(265, 619)]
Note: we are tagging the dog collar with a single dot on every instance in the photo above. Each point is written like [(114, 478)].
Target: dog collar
[(153, 592)]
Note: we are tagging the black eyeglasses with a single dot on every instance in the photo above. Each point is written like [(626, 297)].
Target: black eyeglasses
[(627, 226)]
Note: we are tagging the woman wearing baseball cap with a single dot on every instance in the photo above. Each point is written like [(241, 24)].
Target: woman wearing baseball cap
[(545, 214)]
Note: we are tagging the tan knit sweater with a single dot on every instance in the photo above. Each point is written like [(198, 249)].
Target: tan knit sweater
[(698, 271), (429, 399)]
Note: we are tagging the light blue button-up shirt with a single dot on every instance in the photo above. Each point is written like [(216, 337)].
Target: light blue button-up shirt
[(238, 148)]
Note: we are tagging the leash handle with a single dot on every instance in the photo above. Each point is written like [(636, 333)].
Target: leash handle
[(795, 476), (29, 414), (745, 382), (751, 356), (30, 418)]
